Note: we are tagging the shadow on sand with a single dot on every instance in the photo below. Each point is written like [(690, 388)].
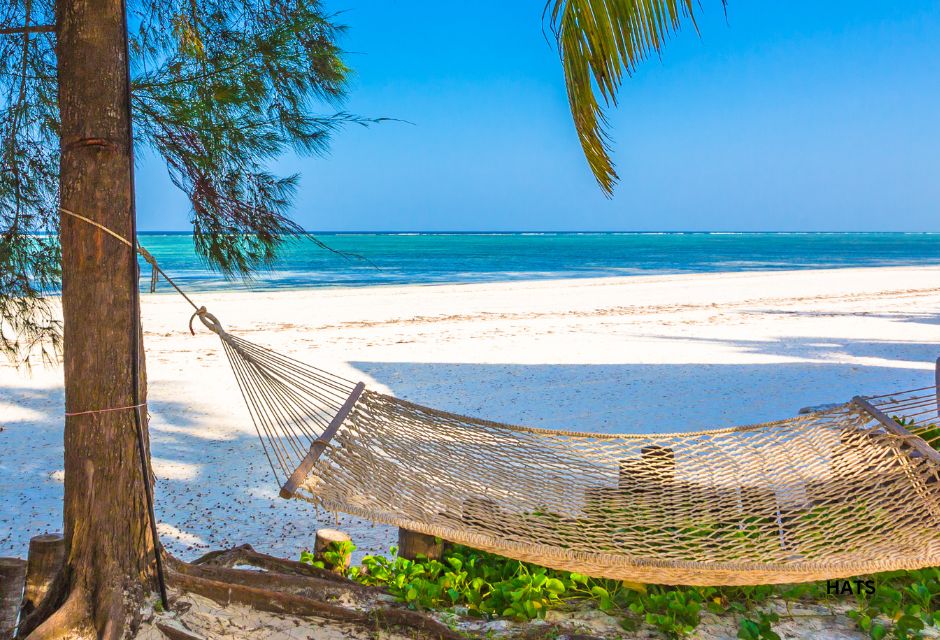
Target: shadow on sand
[(218, 492)]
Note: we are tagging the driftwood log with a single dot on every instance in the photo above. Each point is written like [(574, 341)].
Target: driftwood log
[(175, 631), (246, 555), (295, 588)]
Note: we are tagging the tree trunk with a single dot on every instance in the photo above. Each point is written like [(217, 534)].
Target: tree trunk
[(109, 566)]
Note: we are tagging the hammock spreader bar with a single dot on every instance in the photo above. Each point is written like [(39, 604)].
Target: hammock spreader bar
[(319, 445), (891, 426)]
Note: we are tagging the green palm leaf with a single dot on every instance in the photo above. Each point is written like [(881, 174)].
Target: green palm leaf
[(599, 41)]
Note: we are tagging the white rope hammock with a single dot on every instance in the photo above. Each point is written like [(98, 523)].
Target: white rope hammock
[(837, 493)]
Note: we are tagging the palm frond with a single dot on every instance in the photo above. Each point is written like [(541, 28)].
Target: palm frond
[(599, 41)]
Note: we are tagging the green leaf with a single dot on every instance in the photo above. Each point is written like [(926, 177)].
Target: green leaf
[(599, 41), (748, 630), (599, 592), (555, 586)]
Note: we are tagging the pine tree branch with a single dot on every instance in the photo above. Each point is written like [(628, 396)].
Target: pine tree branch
[(19, 107), (208, 75), (33, 28)]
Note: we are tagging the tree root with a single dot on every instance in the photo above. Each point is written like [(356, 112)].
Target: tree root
[(307, 587), (177, 633), (55, 596), (111, 616), (69, 621), (282, 586), (245, 554), (294, 588)]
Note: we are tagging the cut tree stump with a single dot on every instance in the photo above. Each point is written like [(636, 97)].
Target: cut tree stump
[(12, 579), (46, 555), (325, 538), (411, 544)]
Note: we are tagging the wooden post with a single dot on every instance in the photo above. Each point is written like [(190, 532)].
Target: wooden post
[(660, 459), (411, 544), (936, 381), (46, 555), (12, 579), (325, 538), (656, 465)]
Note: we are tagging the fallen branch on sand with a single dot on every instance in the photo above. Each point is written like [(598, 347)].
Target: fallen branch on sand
[(294, 588)]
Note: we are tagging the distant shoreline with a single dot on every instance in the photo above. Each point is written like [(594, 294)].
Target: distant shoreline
[(372, 258), (238, 288)]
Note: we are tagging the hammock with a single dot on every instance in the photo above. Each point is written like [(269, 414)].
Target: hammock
[(837, 493), (847, 491)]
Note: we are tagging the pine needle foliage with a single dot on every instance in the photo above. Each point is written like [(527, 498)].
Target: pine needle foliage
[(599, 41), (220, 88)]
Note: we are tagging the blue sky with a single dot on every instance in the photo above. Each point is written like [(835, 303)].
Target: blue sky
[(798, 115)]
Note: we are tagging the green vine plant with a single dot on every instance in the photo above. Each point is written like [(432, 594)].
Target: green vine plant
[(759, 629), (335, 558), (480, 584), (903, 605)]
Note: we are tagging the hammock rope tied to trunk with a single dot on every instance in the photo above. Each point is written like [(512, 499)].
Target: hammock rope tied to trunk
[(837, 493)]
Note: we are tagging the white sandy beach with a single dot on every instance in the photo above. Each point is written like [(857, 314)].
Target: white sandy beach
[(634, 354)]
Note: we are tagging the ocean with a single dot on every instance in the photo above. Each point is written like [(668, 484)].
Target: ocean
[(433, 258)]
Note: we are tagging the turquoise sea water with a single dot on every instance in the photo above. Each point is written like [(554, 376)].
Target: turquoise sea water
[(427, 258)]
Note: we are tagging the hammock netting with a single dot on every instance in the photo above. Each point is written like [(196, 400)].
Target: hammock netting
[(843, 492)]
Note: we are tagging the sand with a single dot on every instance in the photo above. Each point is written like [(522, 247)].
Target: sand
[(214, 621), (630, 354)]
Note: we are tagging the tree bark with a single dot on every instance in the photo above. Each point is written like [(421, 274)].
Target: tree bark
[(109, 557), (46, 555), (12, 579)]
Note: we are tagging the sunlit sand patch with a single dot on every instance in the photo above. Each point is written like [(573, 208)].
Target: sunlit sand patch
[(167, 530), (18, 413), (174, 469)]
